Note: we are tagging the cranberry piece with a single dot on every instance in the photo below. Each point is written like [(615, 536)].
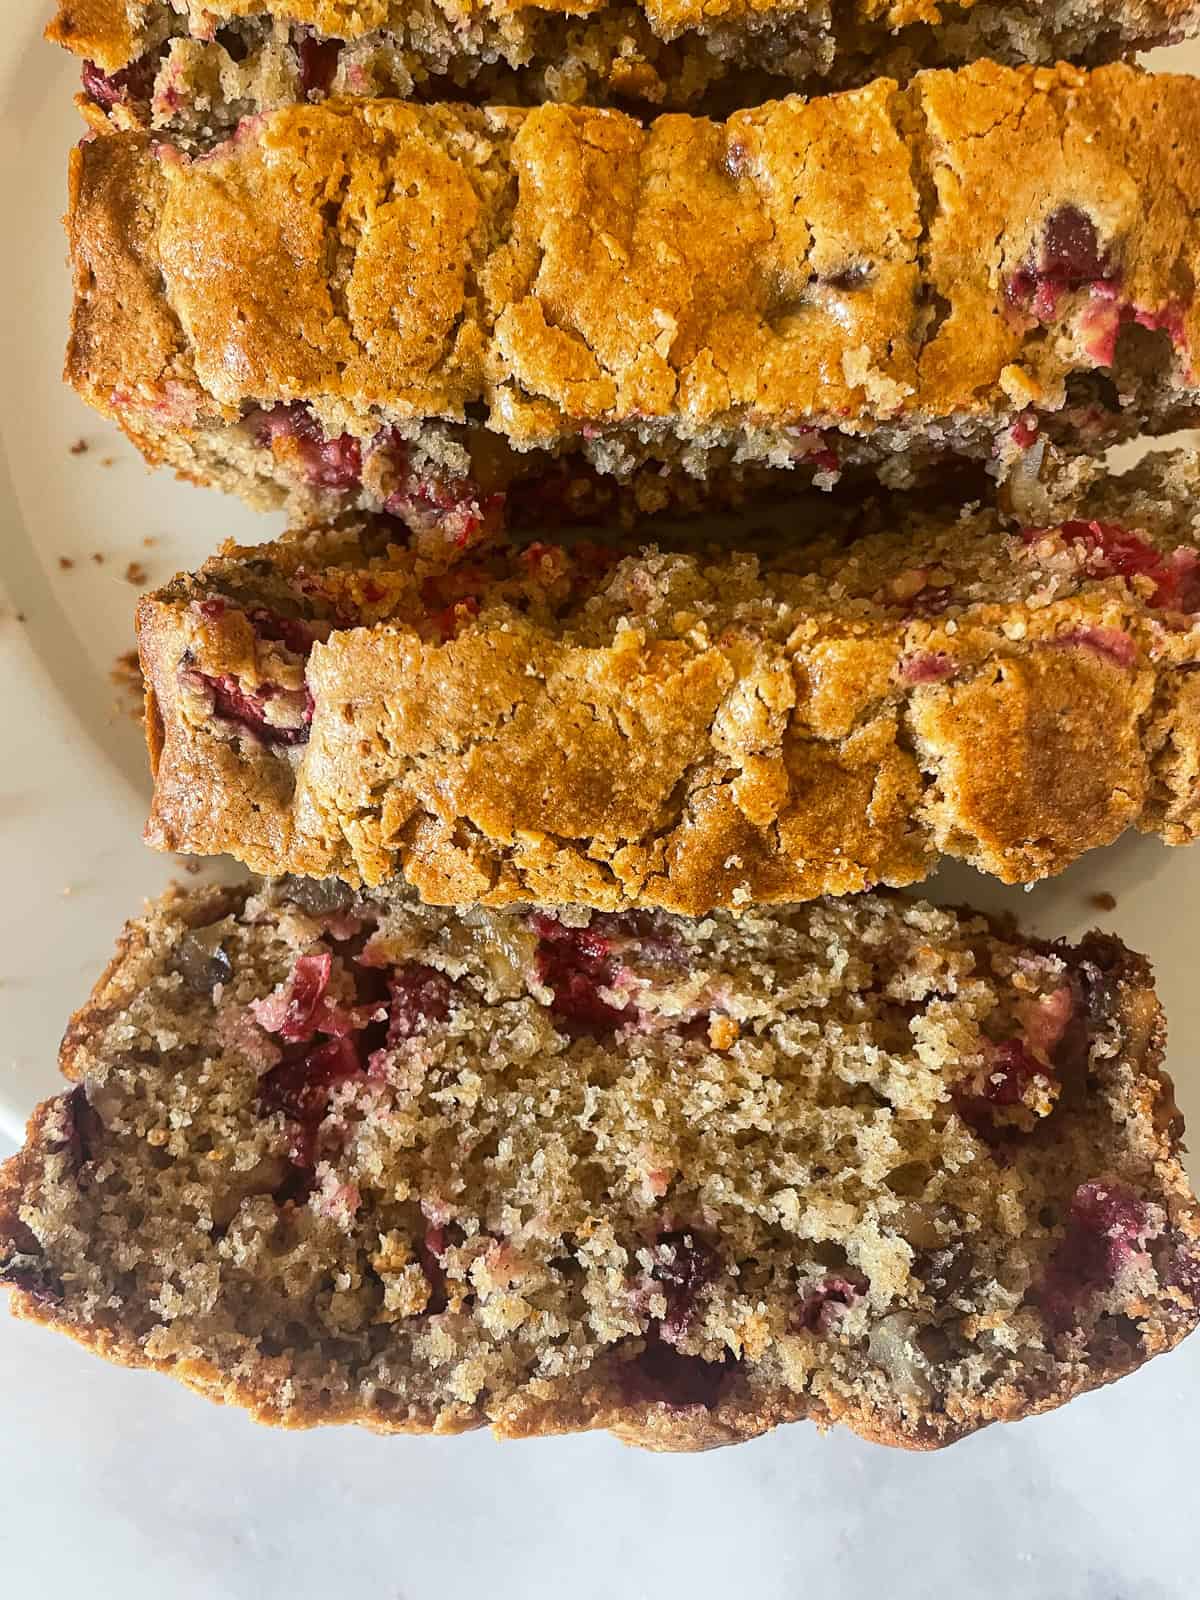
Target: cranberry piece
[(453, 617), (338, 463), (650, 930), (303, 1008), (926, 666), (301, 1087), (318, 60), (82, 1129), (1114, 643), (1025, 430), (1113, 551), (1071, 249), (418, 997), (824, 1302), (662, 1375), (1011, 1072), (1104, 1229), (685, 1265), (296, 635), (455, 506), (574, 964), (1070, 257), (1184, 1271), (328, 463), (305, 996), (234, 704), (431, 1253), (132, 85)]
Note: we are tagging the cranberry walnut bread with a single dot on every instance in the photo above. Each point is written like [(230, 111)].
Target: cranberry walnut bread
[(689, 728), (344, 1158), (194, 70), (388, 305)]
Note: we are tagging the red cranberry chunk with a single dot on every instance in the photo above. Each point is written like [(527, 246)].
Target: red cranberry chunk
[(661, 1375), (1013, 1068), (1112, 551), (291, 632), (82, 1128), (1113, 643), (1071, 249), (1069, 258), (1105, 1227), (132, 85), (574, 963), (926, 666), (318, 59), (234, 704), (651, 932), (301, 1087), (1184, 1271), (449, 620), (430, 1251), (684, 1265), (419, 996), (328, 463), (305, 993), (824, 1302)]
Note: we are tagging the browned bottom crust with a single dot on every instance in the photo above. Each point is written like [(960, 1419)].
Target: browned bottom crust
[(337, 1158)]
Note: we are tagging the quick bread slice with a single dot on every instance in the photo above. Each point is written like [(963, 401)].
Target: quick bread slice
[(688, 727), (194, 70), (341, 1158), (375, 304)]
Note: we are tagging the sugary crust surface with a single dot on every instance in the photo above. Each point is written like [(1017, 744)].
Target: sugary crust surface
[(808, 280), (695, 728), (1080, 1244)]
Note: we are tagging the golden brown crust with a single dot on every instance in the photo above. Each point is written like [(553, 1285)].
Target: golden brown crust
[(714, 736), (101, 30), (588, 278)]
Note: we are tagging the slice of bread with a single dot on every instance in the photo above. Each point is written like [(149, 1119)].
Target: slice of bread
[(381, 305), (339, 1157), (688, 727)]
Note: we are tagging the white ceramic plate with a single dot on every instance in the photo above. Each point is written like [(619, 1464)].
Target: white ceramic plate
[(73, 783)]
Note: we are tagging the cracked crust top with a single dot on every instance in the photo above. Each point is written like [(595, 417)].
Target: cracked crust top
[(689, 728), (845, 262)]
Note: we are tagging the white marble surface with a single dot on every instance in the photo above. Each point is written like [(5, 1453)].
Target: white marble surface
[(121, 1483)]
